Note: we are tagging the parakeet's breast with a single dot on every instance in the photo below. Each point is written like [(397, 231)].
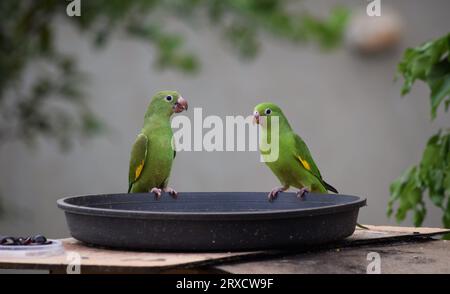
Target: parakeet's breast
[(282, 167), (158, 162)]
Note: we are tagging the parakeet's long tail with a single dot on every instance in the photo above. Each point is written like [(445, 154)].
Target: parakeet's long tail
[(329, 187), (362, 227), (129, 188)]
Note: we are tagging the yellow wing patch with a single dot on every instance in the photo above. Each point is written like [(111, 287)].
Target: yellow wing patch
[(139, 170), (304, 163)]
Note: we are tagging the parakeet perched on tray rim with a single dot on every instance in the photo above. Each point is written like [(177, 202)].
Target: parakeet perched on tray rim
[(295, 166), (152, 153)]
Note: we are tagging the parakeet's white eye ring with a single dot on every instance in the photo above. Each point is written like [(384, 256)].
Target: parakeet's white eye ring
[(268, 111), (169, 98)]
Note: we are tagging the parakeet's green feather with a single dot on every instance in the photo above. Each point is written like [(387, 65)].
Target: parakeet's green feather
[(304, 155), (308, 162), (137, 159)]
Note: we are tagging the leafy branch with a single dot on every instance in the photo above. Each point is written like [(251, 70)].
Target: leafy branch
[(431, 175), (429, 63)]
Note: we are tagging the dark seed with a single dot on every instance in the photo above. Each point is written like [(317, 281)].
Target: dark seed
[(39, 239), (8, 241), (36, 240), (3, 239)]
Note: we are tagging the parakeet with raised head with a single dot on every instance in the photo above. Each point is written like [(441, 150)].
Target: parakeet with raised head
[(152, 153), (295, 166)]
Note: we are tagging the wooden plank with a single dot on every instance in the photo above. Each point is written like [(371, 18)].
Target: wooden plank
[(381, 233), (110, 260), (105, 260), (376, 236), (403, 230), (429, 257)]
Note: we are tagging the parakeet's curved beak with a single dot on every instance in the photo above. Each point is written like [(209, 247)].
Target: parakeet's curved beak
[(180, 105), (256, 117)]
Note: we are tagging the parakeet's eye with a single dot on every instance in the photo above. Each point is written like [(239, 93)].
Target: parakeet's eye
[(169, 98), (268, 111)]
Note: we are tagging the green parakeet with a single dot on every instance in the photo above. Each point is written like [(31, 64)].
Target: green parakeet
[(152, 153), (295, 166)]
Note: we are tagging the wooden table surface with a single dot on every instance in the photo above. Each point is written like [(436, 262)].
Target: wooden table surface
[(402, 250)]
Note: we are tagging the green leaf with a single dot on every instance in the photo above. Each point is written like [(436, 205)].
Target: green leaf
[(429, 63), (446, 216), (439, 81), (406, 191), (446, 183), (419, 215), (437, 199), (430, 159)]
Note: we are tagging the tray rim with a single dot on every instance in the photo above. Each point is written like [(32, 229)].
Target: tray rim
[(208, 215)]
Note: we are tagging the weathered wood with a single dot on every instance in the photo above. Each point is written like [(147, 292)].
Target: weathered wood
[(431, 257), (100, 260), (106, 260)]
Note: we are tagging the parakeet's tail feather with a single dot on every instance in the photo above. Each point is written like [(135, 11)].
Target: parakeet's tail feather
[(362, 227), (129, 188), (329, 187)]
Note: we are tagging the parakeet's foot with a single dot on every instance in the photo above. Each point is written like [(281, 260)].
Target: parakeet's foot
[(302, 193), (274, 193), (157, 192), (171, 191)]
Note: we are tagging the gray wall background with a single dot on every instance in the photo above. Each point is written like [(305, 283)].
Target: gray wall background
[(346, 107)]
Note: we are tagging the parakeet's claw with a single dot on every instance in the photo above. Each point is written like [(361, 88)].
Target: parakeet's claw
[(171, 191), (302, 193), (274, 193), (157, 192)]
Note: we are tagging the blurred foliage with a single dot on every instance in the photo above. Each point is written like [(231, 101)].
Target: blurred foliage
[(41, 87), (429, 63)]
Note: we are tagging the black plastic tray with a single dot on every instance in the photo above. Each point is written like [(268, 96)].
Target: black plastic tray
[(210, 221)]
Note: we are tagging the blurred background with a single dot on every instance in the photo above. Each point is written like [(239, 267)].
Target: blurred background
[(74, 91)]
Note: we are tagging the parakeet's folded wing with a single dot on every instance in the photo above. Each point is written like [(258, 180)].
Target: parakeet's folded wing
[(137, 159), (304, 157)]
